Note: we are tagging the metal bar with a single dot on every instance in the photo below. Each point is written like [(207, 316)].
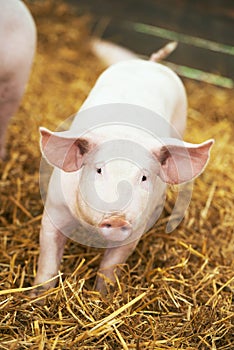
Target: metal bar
[(183, 38)]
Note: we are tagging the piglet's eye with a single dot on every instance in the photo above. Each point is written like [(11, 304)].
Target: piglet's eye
[(99, 170), (144, 178)]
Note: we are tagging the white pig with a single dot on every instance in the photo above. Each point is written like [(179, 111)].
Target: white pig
[(17, 47), (110, 176)]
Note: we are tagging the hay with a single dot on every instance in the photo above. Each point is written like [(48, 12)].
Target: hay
[(175, 292)]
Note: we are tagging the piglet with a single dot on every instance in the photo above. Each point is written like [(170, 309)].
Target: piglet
[(112, 166), (18, 40)]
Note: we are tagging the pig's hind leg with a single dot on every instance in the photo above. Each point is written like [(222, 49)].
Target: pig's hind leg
[(109, 265), (10, 97), (52, 243)]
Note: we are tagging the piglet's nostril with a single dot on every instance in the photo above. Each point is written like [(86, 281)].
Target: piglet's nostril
[(115, 228), (115, 222), (106, 225)]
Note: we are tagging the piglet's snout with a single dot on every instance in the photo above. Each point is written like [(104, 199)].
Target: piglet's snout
[(115, 228)]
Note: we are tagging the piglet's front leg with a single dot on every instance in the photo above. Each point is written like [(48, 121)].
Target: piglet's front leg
[(108, 267), (52, 243)]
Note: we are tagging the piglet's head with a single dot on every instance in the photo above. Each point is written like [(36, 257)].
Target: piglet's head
[(126, 181)]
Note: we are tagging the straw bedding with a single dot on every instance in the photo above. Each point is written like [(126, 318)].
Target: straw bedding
[(176, 290)]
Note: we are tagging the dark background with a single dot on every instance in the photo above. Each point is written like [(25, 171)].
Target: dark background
[(208, 19)]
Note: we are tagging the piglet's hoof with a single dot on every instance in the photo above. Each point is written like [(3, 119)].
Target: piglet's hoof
[(37, 291), (38, 294)]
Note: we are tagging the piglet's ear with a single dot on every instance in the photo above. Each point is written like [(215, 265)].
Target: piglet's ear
[(181, 161), (62, 151)]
